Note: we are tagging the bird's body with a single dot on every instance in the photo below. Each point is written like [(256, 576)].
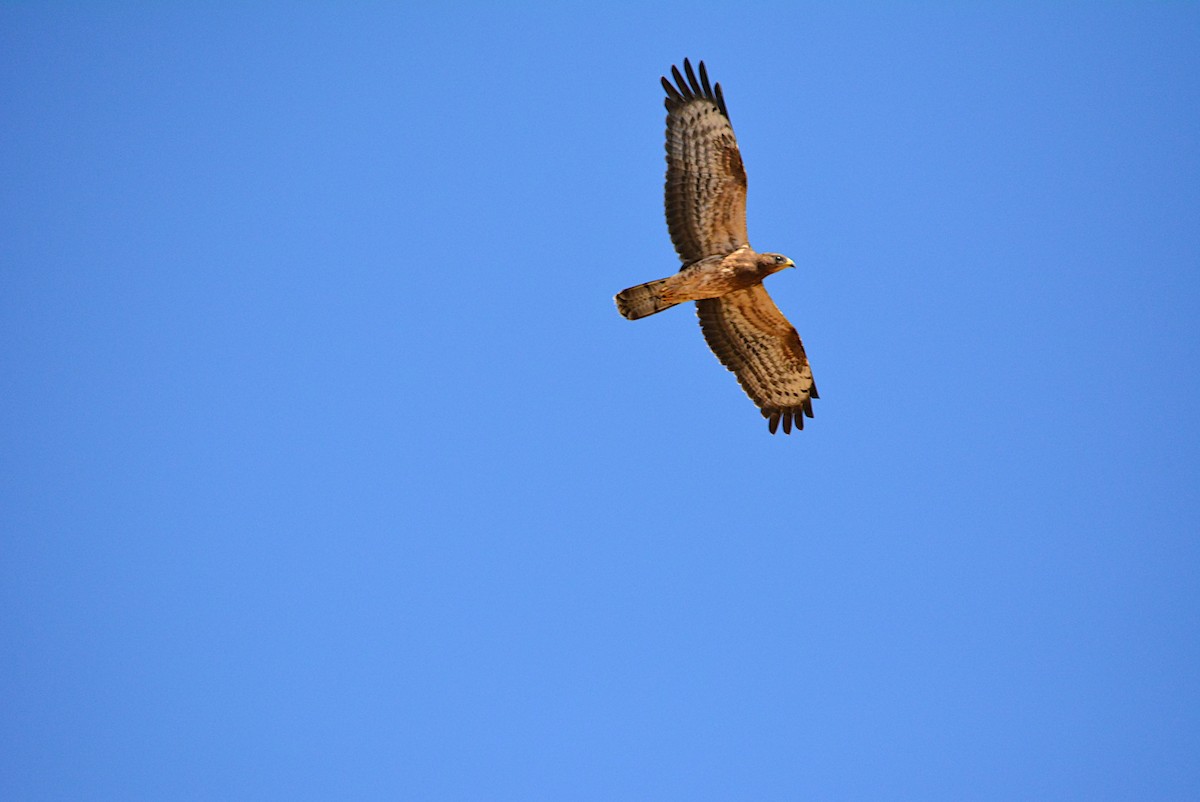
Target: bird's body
[(706, 216), (711, 277)]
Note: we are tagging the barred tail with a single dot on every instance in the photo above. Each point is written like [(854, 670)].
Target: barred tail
[(644, 299)]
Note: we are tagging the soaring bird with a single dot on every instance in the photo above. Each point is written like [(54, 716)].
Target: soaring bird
[(706, 216)]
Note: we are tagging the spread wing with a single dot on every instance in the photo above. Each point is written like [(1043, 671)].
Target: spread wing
[(706, 183), (751, 337)]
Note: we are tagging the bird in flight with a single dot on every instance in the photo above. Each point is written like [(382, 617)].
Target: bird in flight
[(706, 216)]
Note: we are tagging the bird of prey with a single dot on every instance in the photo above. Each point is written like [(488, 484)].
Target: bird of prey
[(706, 216)]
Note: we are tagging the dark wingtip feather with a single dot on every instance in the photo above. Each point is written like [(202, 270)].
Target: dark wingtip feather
[(681, 83), (692, 82), (673, 95)]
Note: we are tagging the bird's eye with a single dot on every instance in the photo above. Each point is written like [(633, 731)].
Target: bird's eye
[(778, 260)]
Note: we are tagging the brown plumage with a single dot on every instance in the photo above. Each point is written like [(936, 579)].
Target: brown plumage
[(706, 215)]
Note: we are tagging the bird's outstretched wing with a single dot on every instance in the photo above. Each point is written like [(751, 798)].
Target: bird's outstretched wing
[(706, 183), (751, 337)]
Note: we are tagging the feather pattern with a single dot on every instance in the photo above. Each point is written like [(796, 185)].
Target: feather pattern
[(751, 337), (706, 181)]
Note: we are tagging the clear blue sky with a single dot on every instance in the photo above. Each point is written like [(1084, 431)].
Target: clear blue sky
[(330, 470)]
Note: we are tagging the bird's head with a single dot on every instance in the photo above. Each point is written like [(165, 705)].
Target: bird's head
[(774, 262)]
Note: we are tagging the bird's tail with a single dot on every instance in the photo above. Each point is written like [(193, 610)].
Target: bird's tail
[(644, 299)]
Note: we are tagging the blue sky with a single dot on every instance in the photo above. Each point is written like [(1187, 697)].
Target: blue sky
[(330, 470)]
